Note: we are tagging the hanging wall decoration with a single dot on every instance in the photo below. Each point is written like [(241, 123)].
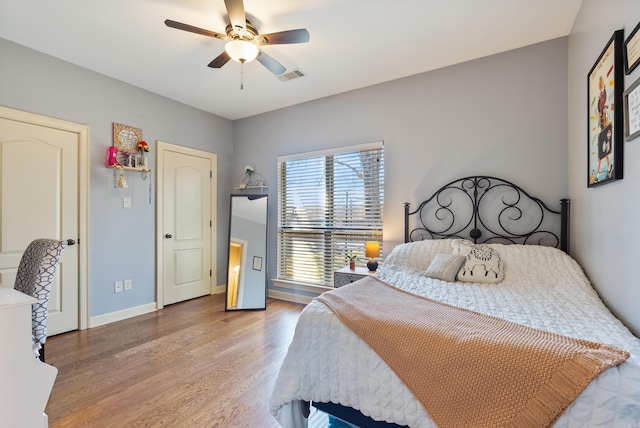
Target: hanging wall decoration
[(632, 111), (605, 131), (631, 50), (126, 138)]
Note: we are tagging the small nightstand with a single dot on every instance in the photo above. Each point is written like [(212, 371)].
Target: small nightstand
[(346, 276)]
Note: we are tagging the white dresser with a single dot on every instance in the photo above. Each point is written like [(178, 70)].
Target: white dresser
[(25, 382)]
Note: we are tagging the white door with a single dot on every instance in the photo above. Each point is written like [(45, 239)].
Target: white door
[(39, 198), (186, 223)]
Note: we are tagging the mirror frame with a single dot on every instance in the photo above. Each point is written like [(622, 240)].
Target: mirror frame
[(250, 263)]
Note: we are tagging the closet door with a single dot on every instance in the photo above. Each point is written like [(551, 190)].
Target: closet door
[(39, 191), (187, 223)]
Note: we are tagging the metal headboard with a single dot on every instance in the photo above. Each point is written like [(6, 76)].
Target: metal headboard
[(488, 209)]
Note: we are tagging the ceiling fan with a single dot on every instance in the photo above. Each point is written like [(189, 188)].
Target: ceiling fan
[(243, 40)]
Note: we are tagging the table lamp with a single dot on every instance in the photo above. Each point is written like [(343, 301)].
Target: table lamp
[(372, 251)]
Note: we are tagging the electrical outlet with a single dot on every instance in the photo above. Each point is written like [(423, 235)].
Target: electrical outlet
[(117, 287), (127, 285), (126, 202)]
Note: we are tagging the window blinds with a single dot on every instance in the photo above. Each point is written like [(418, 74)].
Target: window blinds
[(329, 204)]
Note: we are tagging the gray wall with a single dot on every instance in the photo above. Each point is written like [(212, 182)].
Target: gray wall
[(509, 115), (504, 115), (122, 241), (605, 223)]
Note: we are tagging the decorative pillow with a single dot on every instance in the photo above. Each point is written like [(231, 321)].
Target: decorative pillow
[(482, 264), (444, 267), (461, 247)]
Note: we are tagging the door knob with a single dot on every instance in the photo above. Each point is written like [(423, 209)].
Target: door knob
[(71, 242), (168, 236)]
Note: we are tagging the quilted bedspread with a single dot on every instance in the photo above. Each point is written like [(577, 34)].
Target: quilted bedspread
[(543, 288)]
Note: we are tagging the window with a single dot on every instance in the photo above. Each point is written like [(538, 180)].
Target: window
[(330, 203)]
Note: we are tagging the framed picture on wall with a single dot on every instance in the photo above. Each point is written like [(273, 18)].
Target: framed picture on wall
[(631, 49), (257, 263), (125, 138), (605, 83), (631, 99)]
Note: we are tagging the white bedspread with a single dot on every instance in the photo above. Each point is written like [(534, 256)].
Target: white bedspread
[(543, 288)]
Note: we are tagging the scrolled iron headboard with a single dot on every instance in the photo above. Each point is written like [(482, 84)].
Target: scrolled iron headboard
[(488, 209)]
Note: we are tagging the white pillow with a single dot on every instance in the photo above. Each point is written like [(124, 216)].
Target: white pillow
[(417, 255), (461, 247), (444, 267), (482, 264)]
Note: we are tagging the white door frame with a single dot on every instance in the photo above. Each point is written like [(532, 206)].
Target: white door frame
[(161, 147), (82, 131)]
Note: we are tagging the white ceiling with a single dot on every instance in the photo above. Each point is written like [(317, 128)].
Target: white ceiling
[(354, 43)]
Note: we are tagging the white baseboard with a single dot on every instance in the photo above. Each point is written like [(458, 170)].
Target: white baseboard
[(121, 315), (151, 307), (138, 310)]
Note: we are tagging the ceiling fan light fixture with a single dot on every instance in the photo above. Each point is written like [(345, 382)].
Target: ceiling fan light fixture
[(241, 50)]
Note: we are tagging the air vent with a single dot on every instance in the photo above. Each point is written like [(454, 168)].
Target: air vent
[(295, 74)]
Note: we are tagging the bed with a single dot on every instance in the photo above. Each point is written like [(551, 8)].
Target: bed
[(538, 289)]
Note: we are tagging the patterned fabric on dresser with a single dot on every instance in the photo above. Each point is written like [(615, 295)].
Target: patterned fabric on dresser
[(35, 275)]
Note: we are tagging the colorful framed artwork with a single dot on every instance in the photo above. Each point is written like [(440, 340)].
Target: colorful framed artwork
[(631, 49), (126, 138), (632, 111), (605, 131)]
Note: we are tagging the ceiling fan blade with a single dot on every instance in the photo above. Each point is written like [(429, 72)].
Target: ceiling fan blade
[(271, 64), (235, 9), (220, 60), (192, 29), (284, 37)]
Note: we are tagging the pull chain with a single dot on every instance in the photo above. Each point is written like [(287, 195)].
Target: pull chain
[(242, 75)]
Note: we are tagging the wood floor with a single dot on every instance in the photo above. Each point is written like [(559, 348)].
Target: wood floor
[(190, 364)]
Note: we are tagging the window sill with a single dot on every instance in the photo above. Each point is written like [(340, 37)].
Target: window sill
[(299, 286)]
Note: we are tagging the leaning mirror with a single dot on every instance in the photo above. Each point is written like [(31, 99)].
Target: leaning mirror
[(246, 270)]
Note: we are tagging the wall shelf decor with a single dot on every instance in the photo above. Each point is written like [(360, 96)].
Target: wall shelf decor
[(252, 182), (143, 171), (261, 190), (127, 154), (120, 182), (129, 145), (129, 168)]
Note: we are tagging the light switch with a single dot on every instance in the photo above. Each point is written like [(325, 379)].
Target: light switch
[(126, 202)]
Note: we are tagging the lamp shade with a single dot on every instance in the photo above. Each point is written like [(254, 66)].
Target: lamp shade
[(372, 249), (241, 50)]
